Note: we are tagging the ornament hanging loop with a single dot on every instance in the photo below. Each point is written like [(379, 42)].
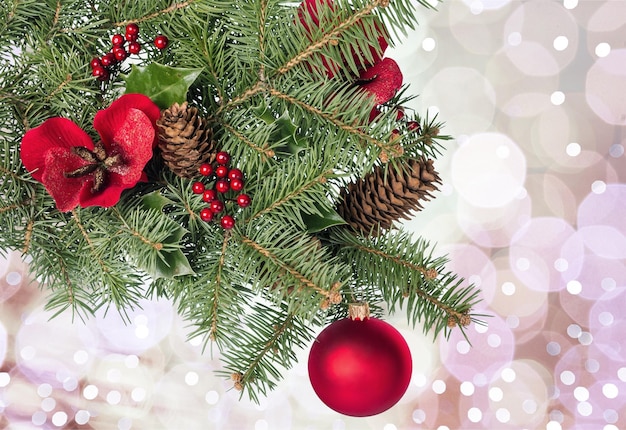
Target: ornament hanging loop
[(359, 311)]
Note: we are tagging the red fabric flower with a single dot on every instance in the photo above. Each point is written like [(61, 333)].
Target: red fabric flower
[(382, 80), (77, 171)]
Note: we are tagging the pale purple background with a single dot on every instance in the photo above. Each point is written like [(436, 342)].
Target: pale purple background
[(533, 210)]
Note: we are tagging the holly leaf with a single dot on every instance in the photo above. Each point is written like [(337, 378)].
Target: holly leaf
[(169, 261), (318, 222), (285, 131), (165, 85)]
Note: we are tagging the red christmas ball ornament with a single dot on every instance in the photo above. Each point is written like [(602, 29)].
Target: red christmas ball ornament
[(360, 366)]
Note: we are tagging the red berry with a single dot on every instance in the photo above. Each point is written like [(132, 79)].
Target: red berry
[(161, 41), (221, 171), (108, 59), (120, 53), (197, 187), (100, 73), (117, 40), (132, 28), (95, 62), (209, 195), (206, 214), (222, 186), (227, 222), (134, 47), (222, 157), (236, 184), (131, 37), (243, 200), (216, 206), (206, 169), (399, 114), (413, 125), (235, 174)]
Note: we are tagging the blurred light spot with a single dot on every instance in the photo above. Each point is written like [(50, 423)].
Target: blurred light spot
[(82, 417), (508, 288), (463, 347), (503, 152), (48, 404), (605, 318), (560, 43), (44, 390), (390, 426), (514, 38), (610, 390), (191, 378), (503, 415), (557, 98), (28, 352), (419, 379), (496, 394), (561, 265), (474, 415), (467, 388), (480, 328), (585, 338), (603, 49), (609, 427), (114, 375), (70, 384), (419, 416), (573, 331), (494, 340), (608, 284), (574, 287), (553, 348), (568, 377), (598, 187), (59, 418), (570, 4), (39, 418), (553, 425), (581, 394), (475, 279), (124, 424), (508, 375), (138, 394), (5, 378), (114, 397), (439, 386), (428, 44), (13, 278), (142, 332), (443, 428), (556, 415), (616, 150), (592, 365), (523, 264), (529, 406), (621, 374), (610, 416), (212, 397), (81, 356), (261, 425), (584, 408), (140, 319), (554, 392), (131, 361), (90, 392), (476, 7), (512, 321), (573, 149)]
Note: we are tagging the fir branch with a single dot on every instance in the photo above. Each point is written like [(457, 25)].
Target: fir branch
[(173, 8), (265, 152), (28, 234), (391, 147), (331, 37), (218, 287), (429, 273)]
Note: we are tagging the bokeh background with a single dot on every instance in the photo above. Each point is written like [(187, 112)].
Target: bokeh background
[(532, 210)]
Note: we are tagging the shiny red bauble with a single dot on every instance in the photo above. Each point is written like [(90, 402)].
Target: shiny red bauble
[(360, 367)]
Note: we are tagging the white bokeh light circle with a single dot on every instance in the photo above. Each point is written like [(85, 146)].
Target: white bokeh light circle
[(605, 86), (484, 174)]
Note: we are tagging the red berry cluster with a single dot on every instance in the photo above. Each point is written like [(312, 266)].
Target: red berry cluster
[(122, 47), (226, 180)]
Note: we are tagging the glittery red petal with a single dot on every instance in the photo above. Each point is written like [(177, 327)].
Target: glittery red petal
[(64, 191), (53, 133)]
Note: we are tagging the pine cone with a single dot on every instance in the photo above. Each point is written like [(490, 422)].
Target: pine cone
[(185, 140), (376, 201)]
